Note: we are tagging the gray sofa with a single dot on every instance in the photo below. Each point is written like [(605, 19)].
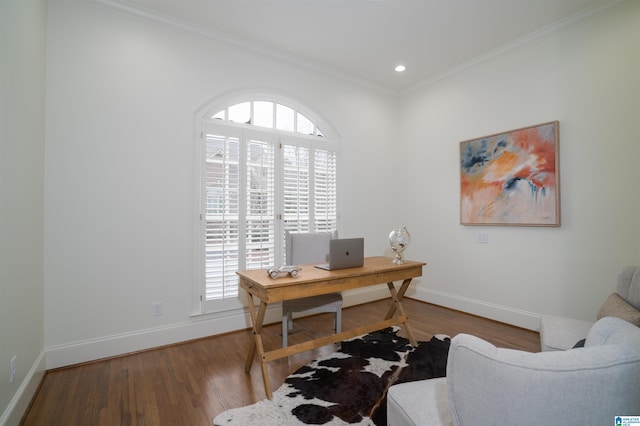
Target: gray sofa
[(486, 385), (558, 333)]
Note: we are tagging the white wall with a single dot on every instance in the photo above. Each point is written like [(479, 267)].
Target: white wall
[(585, 76), (22, 88), (121, 99)]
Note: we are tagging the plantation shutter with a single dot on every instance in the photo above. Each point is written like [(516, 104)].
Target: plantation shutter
[(222, 212), (325, 189), (297, 196), (257, 184), (260, 217)]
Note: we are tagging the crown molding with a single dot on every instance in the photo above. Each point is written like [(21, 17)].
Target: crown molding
[(147, 15), (602, 8)]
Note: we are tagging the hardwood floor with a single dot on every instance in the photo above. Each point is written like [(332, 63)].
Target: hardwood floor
[(190, 383)]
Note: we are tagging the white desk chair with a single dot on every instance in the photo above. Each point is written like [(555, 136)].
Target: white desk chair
[(302, 249)]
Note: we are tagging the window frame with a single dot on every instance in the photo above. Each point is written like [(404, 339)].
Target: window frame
[(280, 138)]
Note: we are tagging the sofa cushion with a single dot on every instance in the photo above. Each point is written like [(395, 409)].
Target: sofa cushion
[(561, 334), (616, 306)]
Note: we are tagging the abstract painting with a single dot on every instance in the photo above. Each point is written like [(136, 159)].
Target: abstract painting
[(511, 178)]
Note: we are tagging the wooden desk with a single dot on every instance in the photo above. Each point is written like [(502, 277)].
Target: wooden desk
[(312, 282)]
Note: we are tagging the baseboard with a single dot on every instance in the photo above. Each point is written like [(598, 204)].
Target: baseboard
[(505, 314), (196, 328), (27, 389), (224, 322)]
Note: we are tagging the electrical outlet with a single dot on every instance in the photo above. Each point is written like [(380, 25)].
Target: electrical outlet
[(12, 370), (156, 309)]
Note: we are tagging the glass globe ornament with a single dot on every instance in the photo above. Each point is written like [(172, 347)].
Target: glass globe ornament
[(399, 239)]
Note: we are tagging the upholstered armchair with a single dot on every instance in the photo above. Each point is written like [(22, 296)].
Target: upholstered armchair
[(486, 385)]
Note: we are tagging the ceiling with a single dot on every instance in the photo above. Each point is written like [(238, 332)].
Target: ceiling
[(364, 39)]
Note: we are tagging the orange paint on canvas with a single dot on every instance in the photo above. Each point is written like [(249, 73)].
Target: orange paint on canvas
[(511, 178)]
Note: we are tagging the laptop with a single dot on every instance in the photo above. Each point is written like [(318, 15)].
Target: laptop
[(344, 253)]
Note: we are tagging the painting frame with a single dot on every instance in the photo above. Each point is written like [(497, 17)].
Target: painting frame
[(512, 178)]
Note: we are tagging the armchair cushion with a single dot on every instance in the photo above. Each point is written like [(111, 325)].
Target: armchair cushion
[(415, 403)]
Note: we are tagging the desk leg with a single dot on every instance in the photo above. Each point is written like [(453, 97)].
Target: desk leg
[(256, 343), (401, 292), (252, 345), (397, 305)]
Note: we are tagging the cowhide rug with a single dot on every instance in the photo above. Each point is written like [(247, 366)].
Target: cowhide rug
[(348, 387)]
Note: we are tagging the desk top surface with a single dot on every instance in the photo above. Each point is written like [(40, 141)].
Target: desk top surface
[(310, 274)]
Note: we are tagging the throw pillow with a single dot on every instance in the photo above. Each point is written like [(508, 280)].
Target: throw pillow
[(616, 306), (580, 343)]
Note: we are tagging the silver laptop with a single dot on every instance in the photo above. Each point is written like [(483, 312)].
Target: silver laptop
[(344, 253)]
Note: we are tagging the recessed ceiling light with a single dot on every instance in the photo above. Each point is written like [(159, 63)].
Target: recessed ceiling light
[(400, 68)]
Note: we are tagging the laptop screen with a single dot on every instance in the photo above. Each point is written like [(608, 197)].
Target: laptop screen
[(345, 253)]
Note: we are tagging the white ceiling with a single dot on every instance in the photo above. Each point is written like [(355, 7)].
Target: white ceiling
[(365, 39)]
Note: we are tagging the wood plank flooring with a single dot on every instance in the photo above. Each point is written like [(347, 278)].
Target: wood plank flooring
[(190, 383)]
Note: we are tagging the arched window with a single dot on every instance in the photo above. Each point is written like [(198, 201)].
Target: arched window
[(266, 168)]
